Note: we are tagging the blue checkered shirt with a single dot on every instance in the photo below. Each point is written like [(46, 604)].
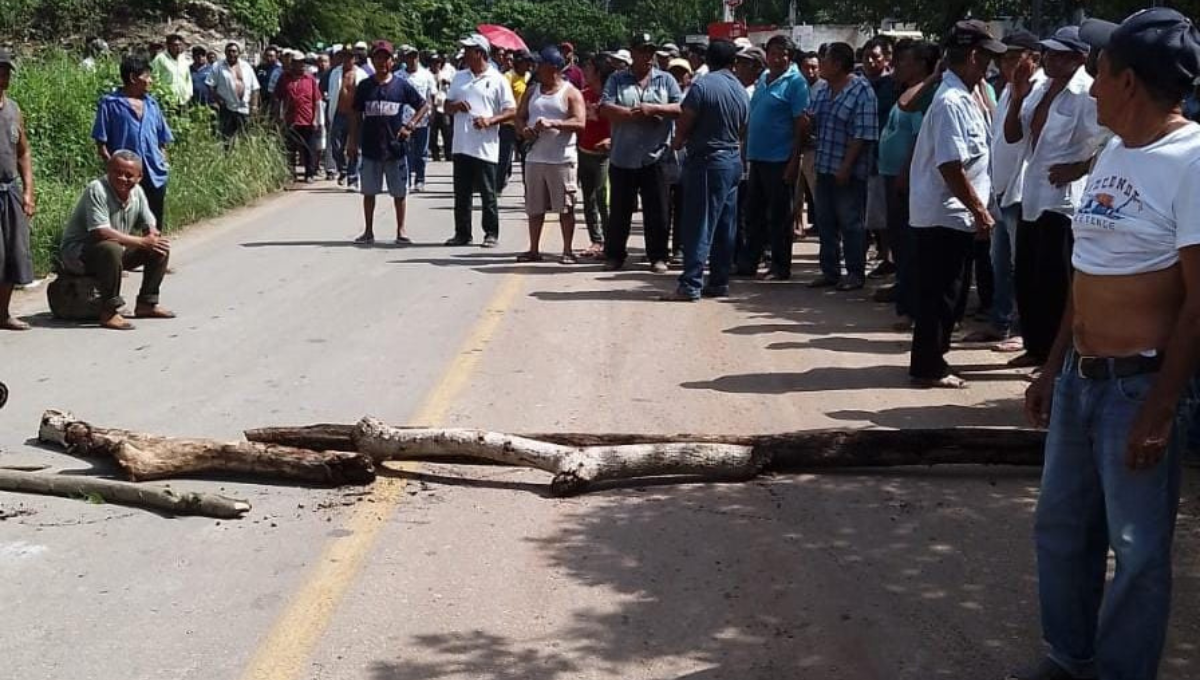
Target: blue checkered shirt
[(836, 120)]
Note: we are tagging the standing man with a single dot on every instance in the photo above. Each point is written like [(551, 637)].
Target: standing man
[(267, 67), (642, 104), (594, 144), (518, 80), (440, 139), (551, 116), (572, 71), (806, 181), (131, 119), (344, 80), (481, 100), (378, 130), (845, 120), (772, 148), (171, 68), (713, 117), (199, 70), (877, 69), (16, 198), (1057, 119), (426, 85), (1117, 388), (235, 89), (300, 102), (948, 196)]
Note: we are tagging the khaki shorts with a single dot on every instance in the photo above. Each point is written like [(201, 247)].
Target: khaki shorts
[(549, 188)]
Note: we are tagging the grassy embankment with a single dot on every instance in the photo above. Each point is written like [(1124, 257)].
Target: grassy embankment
[(58, 98)]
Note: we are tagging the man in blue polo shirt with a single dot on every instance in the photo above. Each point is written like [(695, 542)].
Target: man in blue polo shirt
[(132, 120), (776, 111)]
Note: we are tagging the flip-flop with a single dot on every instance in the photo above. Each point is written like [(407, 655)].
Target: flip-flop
[(1015, 344), (568, 258), (529, 257), (952, 382), (403, 241), (365, 240)]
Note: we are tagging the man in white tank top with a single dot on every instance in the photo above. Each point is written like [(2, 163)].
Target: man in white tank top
[(1116, 390), (550, 116)]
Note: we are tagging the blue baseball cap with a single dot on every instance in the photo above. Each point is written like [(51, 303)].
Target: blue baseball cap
[(1066, 39), (1161, 45), (552, 56)]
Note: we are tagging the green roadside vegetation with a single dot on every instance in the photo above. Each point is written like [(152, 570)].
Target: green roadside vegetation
[(58, 99)]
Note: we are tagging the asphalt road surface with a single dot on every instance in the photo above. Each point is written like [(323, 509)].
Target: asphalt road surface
[(473, 572)]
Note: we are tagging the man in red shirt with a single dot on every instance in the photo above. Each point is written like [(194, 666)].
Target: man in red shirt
[(593, 146), (299, 97)]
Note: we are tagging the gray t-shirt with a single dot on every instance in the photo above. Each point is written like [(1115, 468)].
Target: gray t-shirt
[(99, 207), (721, 106), (636, 144)]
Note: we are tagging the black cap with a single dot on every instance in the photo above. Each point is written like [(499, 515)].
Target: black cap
[(1021, 39), (643, 41), (1161, 45), (6, 58), (975, 33), (1066, 39)]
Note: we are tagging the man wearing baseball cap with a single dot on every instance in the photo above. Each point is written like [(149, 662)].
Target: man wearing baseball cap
[(949, 190), (572, 71), (424, 82), (378, 128), (16, 198), (1056, 119), (1116, 389), (481, 100)]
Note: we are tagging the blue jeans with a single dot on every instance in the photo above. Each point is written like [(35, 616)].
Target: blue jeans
[(841, 211), (710, 197), (1004, 253), (337, 139), (1090, 501), (418, 146)]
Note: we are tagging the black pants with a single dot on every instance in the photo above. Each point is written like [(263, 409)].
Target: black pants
[(675, 206), (902, 240), (979, 268), (941, 258), (157, 198), (626, 185), (231, 123), (302, 142), (1042, 279), (508, 147), (473, 175), (441, 136), (768, 214)]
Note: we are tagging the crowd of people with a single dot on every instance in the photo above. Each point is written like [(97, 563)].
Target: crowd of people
[(1060, 177)]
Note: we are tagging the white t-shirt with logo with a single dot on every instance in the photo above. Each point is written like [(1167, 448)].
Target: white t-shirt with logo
[(1140, 206), (488, 94), (424, 82)]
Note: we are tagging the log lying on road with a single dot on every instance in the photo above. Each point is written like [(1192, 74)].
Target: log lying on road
[(813, 449), (574, 468), (146, 456), (124, 493)]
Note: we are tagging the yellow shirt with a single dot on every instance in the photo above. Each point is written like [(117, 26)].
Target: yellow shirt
[(518, 83)]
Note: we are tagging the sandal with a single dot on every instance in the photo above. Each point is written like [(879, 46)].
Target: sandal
[(568, 258), (594, 251), (529, 256), (365, 240), (952, 382)]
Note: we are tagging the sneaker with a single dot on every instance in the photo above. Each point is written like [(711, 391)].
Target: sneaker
[(329, 175), (851, 283), (883, 270), (420, 188), (341, 179), (456, 241), (714, 292), (677, 257), (822, 282), (1046, 670), (489, 241), (658, 267), (679, 296), (352, 186)]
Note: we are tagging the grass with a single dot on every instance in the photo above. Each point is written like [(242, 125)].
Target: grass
[(58, 99)]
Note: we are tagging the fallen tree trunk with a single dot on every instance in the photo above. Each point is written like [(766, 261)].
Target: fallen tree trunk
[(814, 449), (123, 493), (574, 468), (146, 456)]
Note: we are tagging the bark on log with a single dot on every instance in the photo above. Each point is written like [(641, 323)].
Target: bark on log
[(574, 468), (146, 456), (813, 449), (124, 493)]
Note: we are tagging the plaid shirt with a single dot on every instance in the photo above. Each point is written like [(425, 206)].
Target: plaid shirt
[(851, 114)]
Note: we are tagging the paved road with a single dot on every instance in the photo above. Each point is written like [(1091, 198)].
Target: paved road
[(464, 572)]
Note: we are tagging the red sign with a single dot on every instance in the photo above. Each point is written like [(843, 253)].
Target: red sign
[(729, 30)]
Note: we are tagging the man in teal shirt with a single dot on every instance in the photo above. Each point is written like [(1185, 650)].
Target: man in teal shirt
[(773, 150)]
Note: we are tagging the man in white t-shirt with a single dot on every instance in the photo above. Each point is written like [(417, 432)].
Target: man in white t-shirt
[(1116, 390), (424, 82), (235, 88), (1057, 119), (949, 189), (480, 99)]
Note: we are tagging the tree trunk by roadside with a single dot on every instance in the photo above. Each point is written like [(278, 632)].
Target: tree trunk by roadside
[(146, 456), (124, 493)]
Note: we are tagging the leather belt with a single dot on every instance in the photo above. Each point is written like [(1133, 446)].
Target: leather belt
[(1107, 368)]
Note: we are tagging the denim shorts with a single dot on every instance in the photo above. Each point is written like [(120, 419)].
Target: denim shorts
[(372, 173)]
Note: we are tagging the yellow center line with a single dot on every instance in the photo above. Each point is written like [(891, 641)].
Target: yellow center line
[(282, 654)]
